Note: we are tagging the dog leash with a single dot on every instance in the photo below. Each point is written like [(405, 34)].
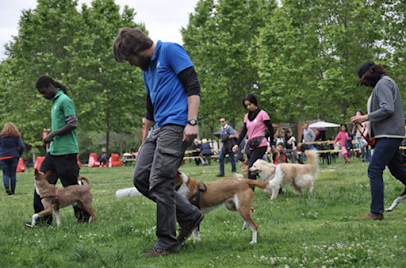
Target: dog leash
[(56, 195)]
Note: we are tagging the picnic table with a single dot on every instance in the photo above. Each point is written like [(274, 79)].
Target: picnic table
[(189, 152)]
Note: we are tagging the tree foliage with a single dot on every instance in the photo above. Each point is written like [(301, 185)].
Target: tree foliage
[(74, 48), (309, 53), (218, 39), (298, 57)]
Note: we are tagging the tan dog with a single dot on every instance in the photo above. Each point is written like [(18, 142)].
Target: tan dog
[(235, 194), (297, 176), (56, 198)]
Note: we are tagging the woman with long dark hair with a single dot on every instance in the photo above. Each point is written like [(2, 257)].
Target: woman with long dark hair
[(256, 121), (386, 117)]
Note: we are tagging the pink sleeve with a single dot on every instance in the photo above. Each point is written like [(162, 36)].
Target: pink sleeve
[(337, 138), (264, 116)]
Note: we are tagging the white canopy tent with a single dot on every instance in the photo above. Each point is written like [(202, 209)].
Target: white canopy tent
[(323, 125)]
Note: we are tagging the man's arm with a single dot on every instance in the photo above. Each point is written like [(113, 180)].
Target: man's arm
[(188, 77), (71, 124), (232, 133), (149, 117), (148, 125), (313, 135), (193, 107)]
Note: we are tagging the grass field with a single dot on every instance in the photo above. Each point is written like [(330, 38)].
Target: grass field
[(319, 230)]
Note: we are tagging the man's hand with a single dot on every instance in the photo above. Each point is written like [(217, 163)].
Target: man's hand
[(190, 132), (49, 138)]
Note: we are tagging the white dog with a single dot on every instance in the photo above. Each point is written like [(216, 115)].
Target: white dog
[(297, 176)]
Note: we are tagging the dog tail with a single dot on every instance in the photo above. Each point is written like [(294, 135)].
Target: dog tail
[(313, 157), (256, 183), (269, 185), (86, 179)]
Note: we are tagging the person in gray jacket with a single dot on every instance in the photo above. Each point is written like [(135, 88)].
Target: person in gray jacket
[(386, 117)]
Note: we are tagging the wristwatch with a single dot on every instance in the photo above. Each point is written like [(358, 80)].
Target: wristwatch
[(192, 122)]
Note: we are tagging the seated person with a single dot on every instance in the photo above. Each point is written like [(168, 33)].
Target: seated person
[(104, 160), (280, 155), (290, 145), (196, 153), (205, 152)]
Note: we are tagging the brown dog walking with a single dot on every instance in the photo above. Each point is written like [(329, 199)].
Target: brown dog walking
[(54, 198)]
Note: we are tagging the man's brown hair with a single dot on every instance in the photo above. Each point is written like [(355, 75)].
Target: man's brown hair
[(130, 41)]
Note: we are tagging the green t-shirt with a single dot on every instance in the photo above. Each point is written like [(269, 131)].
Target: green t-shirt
[(62, 107)]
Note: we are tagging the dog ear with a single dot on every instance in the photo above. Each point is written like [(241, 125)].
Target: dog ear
[(36, 172), (47, 174), (181, 163)]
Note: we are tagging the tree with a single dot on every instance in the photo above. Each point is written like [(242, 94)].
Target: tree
[(393, 13), (74, 48), (218, 39), (309, 53), (118, 88)]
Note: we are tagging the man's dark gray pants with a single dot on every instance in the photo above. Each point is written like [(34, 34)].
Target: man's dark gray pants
[(154, 176)]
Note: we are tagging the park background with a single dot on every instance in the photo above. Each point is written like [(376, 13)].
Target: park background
[(298, 57)]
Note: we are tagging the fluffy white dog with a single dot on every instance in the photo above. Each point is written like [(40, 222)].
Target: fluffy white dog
[(297, 176)]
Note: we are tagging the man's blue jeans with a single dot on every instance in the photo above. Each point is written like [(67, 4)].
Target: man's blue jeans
[(386, 154), (221, 161)]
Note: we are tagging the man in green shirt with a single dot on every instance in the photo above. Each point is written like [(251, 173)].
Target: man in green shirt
[(61, 158)]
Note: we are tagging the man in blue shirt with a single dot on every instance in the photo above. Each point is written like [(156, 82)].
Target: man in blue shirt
[(173, 98)]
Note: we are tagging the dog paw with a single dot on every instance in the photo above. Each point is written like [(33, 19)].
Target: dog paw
[(253, 242), (389, 209), (268, 191)]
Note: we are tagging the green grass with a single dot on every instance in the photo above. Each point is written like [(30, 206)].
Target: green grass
[(319, 230)]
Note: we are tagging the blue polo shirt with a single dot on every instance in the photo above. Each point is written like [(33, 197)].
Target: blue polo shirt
[(167, 93)]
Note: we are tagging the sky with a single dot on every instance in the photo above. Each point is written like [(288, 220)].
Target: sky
[(162, 18)]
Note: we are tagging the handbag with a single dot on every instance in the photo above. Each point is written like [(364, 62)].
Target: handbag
[(363, 129), (255, 142)]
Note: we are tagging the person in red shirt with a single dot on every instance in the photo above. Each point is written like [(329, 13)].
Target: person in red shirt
[(280, 155)]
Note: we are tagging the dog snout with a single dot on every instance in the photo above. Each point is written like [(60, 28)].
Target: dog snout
[(253, 170)]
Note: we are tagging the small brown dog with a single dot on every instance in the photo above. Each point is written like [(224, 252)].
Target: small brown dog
[(56, 198), (233, 193)]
